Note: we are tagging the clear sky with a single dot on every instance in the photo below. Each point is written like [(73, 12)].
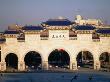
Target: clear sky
[(33, 12)]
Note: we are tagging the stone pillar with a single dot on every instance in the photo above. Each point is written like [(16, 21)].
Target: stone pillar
[(2, 66), (44, 65), (21, 66), (97, 65), (73, 65)]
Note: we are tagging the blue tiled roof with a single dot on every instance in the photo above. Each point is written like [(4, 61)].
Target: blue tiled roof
[(84, 27), (11, 32), (58, 22), (33, 28), (104, 31)]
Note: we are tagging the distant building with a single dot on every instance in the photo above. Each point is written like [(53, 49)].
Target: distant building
[(80, 21)]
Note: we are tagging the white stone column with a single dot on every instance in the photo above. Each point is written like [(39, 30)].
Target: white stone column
[(2, 66), (3, 63), (96, 56), (96, 65), (44, 65), (73, 64), (21, 66)]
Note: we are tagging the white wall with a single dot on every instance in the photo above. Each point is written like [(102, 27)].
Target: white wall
[(45, 47)]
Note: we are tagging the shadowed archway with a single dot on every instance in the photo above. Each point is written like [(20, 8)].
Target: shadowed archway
[(105, 60), (85, 59), (33, 60), (59, 58), (11, 61)]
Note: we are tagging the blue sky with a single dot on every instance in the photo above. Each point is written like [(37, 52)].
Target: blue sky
[(33, 12)]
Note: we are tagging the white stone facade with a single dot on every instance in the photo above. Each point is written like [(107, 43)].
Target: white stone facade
[(57, 39)]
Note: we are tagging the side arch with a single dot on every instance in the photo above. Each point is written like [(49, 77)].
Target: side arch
[(24, 54), (84, 49), (104, 60), (88, 61), (6, 53), (11, 60), (33, 59)]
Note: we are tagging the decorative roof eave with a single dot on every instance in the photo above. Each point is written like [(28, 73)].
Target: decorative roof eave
[(46, 25), (103, 31), (32, 32), (57, 22), (84, 31), (32, 28), (12, 32), (58, 27), (84, 27)]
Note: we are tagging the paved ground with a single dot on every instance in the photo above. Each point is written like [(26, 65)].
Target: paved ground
[(58, 76)]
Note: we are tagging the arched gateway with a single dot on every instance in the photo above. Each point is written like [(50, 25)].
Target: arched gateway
[(33, 60), (85, 59), (54, 33), (58, 58), (105, 60), (11, 61)]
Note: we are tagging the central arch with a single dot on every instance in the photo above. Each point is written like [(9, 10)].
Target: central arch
[(33, 60), (11, 61), (59, 58), (85, 59)]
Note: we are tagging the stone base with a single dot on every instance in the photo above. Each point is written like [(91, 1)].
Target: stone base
[(21, 66), (45, 65), (2, 66), (73, 66), (97, 65)]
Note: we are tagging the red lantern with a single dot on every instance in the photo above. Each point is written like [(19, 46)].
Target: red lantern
[(61, 49)]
